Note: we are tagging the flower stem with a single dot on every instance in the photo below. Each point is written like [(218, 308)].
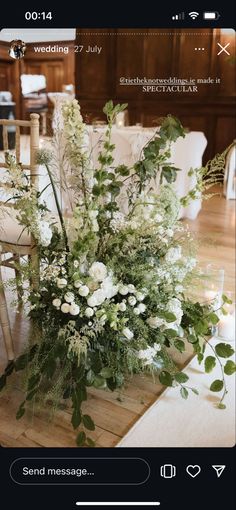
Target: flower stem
[(58, 209)]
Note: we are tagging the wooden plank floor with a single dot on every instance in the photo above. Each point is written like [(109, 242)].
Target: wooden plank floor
[(114, 413)]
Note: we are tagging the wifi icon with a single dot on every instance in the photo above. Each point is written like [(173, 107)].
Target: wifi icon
[(193, 14)]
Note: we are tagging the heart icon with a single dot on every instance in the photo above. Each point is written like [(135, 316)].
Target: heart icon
[(193, 470)]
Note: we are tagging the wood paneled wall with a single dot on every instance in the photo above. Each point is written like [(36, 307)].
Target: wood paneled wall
[(58, 67), (154, 53)]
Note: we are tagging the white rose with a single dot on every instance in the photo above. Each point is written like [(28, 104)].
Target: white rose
[(140, 296), (142, 307), (132, 301), (155, 322), (122, 307), (131, 288), (83, 290), (61, 282), (74, 309), (89, 312), (98, 271), (57, 303), (69, 297), (136, 311), (109, 288), (77, 284), (123, 290), (97, 298), (128, 333), (65, 308)]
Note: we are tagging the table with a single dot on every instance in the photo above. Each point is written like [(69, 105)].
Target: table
[(186, 153)]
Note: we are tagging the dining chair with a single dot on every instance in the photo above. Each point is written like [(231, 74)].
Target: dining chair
[(14, 242)]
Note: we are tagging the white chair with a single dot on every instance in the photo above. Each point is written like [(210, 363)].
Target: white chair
[(12, 241), (229, 189)]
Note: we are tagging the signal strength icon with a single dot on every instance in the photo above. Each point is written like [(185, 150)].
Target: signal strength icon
[(178, 16), (193, 14)]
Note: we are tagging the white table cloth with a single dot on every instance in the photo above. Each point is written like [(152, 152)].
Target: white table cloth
[(195, 422), (186, 153)]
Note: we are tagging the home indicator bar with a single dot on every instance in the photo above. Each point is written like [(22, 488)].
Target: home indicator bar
[(118, 503)]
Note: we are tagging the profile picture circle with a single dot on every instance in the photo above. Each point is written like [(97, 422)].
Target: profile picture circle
[(17, 49)]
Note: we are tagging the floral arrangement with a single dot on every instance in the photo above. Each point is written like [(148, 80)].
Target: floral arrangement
[(111, 299)]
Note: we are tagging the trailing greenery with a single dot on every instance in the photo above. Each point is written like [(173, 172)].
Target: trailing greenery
[(111, 300)]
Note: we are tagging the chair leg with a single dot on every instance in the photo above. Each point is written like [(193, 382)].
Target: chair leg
[(5, 323)]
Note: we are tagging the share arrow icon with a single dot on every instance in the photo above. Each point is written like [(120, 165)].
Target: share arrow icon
[(219, 470)]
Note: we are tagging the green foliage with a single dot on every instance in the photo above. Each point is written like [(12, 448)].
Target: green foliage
[(217, 385), (165, 378), (224, 350), (184, 392), (229, 367), (81, 439), (210, 363), (88, 422), (180, 377)]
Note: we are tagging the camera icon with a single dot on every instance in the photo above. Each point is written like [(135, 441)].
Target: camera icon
[(168, 471)]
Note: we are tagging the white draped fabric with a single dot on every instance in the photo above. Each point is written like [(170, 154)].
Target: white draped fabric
[(186, 153)]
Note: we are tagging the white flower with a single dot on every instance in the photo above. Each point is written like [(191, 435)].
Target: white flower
[(61, 282), (98, 271), (149, 354), (140, 296), (97, 298), (57, 303), (173, 255), (74, 309), (158, 217), (76, 264), (155, 322), (123, 289), (142, 307), (45, 233), (83, 290), (131, 288), (65, 308), (122, 307), (109, 289), (77, 284), (69, 297), (89, 312), (179, 288), (128, 333), (132, 301), (136, 311), (174, 306)]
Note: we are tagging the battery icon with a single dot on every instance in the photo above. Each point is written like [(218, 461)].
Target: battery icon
[(211, 15)]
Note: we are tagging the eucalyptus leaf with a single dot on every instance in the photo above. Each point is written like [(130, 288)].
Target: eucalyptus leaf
[(165, 378), (184, 393), (88, 422), (180, 377), (210, 363), (229, 367), (217, 385), (224, 350), (81, 438)]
